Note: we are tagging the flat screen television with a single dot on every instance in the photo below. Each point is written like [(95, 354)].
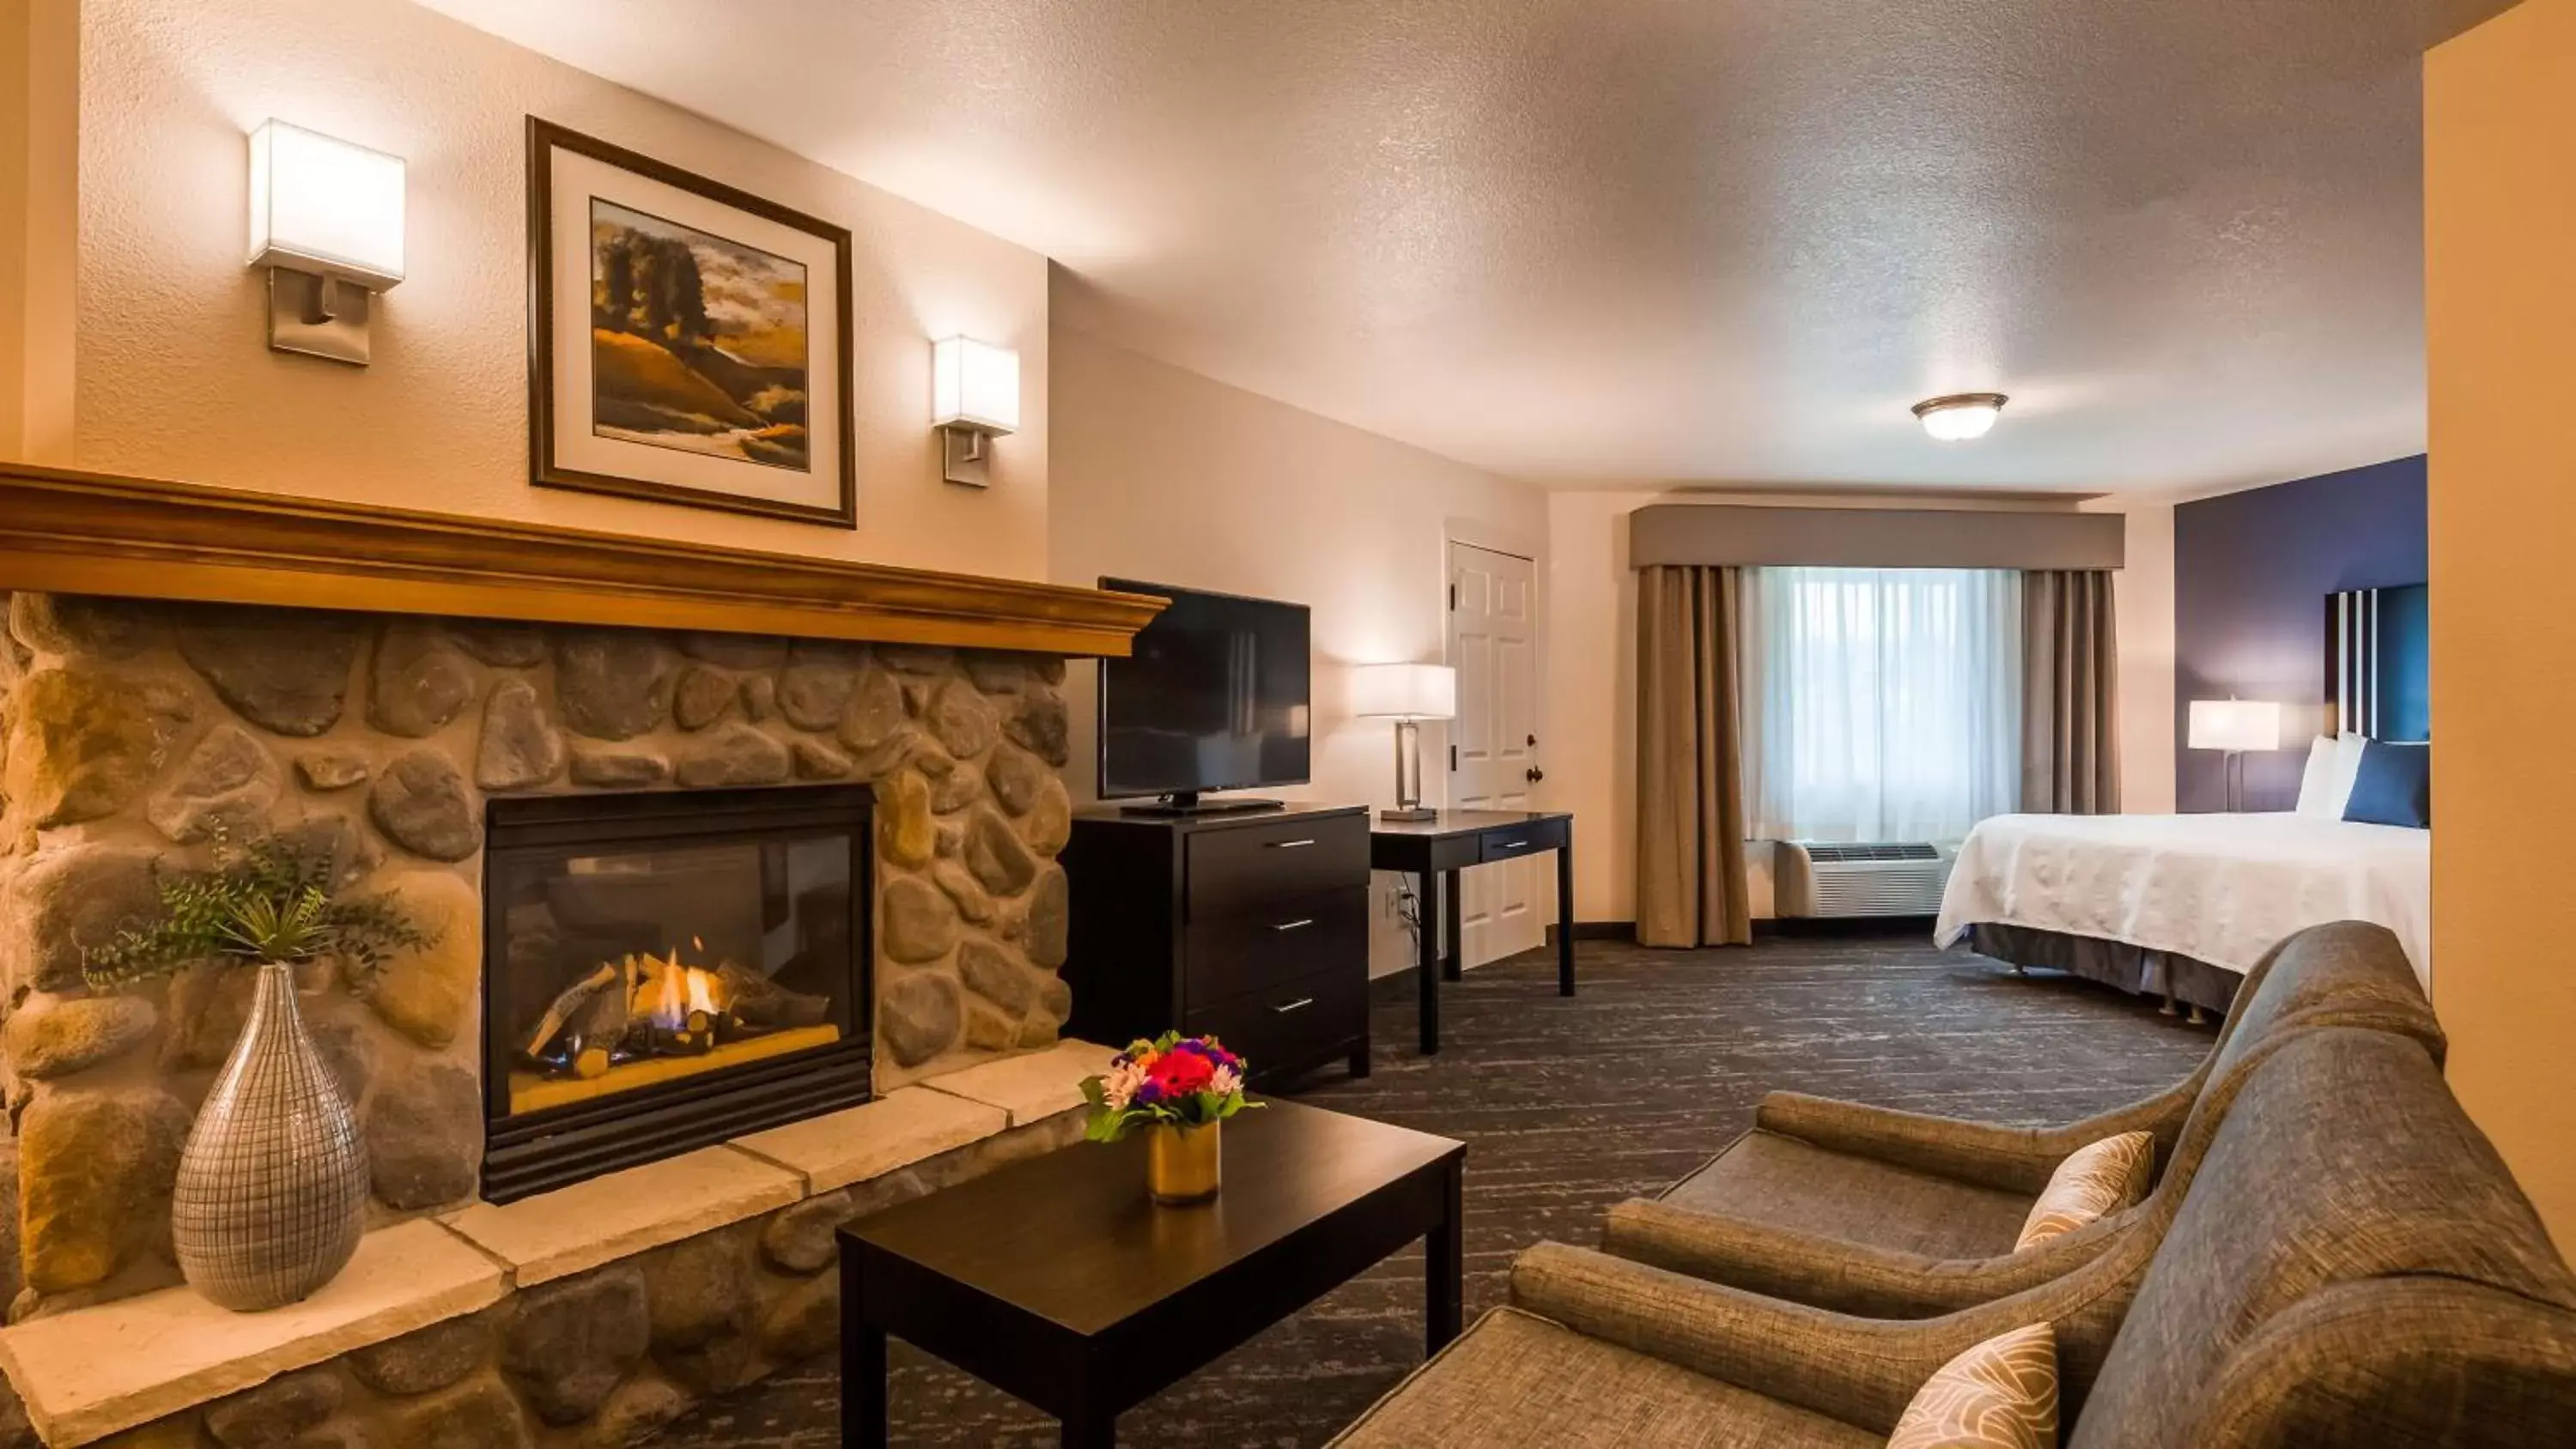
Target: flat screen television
[(1217, 696)]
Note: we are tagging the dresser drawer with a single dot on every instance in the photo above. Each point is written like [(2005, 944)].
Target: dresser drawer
[(1260, 946), (1518, 841), (1293, 1024), (1255, 867)]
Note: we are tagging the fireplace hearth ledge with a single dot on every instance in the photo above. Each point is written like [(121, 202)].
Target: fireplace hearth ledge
[(98, 1371)]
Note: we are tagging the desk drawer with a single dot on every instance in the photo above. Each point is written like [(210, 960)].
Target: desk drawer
[(1262, 946), (1517, 841), (1294, 1023), (1257, 867)]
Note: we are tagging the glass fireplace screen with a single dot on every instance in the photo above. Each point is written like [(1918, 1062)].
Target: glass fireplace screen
[(652, 962)]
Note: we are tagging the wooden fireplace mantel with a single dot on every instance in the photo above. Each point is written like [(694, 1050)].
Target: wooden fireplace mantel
[(87, 533)]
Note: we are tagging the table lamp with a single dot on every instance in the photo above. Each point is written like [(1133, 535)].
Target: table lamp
[(2234, 726), (1407, 694)]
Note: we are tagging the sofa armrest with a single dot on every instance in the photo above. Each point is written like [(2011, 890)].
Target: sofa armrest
[(1846, 1277), (2012, 1159), (1861, 1371)]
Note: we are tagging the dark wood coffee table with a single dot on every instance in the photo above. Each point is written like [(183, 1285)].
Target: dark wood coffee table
[(1057, 1280)]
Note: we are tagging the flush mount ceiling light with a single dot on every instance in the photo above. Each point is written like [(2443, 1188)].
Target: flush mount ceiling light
[(1961, 416)]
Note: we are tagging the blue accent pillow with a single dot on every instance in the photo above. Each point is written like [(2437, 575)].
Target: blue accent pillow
[(2395, 786)]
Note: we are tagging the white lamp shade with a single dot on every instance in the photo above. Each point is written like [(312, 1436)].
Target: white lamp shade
[(974, 385), (2235, 724), (318, 204), (1404, 691)]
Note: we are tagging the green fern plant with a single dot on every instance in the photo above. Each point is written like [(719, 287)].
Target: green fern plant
[(269, 901)]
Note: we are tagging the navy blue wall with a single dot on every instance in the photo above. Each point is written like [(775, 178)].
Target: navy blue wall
[(2251, 575)]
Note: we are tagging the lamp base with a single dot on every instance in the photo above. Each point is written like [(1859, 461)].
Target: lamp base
[(318, 316), (963, 457), (1417, 813)]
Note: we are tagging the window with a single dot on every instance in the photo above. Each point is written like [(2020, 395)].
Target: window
[(1880, 704)]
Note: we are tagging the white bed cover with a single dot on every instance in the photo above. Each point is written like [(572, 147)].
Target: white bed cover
[(2220, 888)]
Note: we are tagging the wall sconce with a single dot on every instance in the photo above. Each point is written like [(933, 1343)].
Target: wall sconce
[(974, 398), (326, 219)]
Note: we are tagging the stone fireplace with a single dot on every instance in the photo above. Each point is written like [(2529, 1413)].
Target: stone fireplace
[(741, 870), (593, 777)]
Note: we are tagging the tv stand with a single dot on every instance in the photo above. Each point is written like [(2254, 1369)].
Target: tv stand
[(1189, 805), (1250, 928)]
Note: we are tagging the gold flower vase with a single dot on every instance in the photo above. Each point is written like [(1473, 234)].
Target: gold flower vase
[(1183, 1165)]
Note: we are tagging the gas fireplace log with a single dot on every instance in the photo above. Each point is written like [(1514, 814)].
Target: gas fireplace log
[(758, 1002), (598, 1031), (568, 1005)]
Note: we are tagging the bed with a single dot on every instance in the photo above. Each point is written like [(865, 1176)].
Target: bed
[(2179, 905), (2183, 905)]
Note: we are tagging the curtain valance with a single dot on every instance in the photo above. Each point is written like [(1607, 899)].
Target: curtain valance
[(1735, 534)]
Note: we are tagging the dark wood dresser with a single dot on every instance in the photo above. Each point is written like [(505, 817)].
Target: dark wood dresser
[(1253, 928)]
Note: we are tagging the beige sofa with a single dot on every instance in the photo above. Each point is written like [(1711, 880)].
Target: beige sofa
[(2348, 1263)]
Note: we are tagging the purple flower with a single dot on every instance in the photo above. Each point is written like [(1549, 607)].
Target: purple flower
[(1148, 1093), (1213, 1053)]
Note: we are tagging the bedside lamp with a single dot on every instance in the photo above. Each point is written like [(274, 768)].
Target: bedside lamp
[(2234, 726), (1407, 694)]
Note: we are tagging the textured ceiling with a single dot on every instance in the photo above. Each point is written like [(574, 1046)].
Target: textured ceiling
[(1588, 240)]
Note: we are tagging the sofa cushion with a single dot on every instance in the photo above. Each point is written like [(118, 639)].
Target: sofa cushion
[(2344, 1161), (1765, 1177), (1517, 1379), (2000, 1394), (2095, 1181)]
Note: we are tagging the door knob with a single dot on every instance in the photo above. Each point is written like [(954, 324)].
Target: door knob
[(1534, 774)]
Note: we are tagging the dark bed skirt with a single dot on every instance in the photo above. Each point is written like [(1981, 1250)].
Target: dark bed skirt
[(2133, 969)]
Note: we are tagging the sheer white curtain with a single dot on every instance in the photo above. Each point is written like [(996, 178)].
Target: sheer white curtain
[(1880, 704)]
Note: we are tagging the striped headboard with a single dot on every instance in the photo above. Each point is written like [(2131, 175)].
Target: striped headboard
[(2379, 663)]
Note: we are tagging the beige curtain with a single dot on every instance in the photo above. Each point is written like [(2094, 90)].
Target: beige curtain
[(2070, 731), (1690, 791)]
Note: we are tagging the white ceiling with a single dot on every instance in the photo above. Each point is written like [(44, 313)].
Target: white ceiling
[(1712, 240)]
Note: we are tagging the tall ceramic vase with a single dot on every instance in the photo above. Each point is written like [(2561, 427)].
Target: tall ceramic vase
[(272, 1192)]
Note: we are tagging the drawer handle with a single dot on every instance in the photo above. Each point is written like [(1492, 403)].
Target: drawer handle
[(1296, 925), (1289, 844), (1511, 845), (1300, 1004)]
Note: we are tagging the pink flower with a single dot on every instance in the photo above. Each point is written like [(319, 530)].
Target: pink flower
[(1118, 1086)]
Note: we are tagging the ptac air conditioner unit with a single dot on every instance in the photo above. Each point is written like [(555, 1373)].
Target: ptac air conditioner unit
[(1858, 880)]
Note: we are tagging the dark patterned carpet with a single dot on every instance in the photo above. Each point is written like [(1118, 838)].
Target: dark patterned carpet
[(1567, 1107)]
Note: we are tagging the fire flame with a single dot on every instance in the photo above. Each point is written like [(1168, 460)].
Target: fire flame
[(676, 991)]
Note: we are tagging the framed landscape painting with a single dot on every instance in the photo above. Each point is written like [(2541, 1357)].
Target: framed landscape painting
[(688, 342)]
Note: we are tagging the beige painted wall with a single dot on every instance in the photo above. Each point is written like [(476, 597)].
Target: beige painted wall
[(2500, 196), (175, 377), (2145, 616), (39, 224), (1590, 709), (1163, 474), (15, 25)]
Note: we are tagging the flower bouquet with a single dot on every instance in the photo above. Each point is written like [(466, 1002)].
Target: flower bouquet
[(1179, 1090)]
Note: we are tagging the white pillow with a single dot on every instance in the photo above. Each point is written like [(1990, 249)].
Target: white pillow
[(2317, 779), (2333, 784)]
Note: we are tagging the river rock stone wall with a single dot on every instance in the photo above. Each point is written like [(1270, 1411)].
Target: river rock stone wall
[(132, 734), (599, 1360)]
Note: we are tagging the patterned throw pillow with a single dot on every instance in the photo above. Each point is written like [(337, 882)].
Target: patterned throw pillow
[(2002, 1394), (2093, 1182)]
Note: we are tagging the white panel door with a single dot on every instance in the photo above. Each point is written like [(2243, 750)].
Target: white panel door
[(1493, 644)]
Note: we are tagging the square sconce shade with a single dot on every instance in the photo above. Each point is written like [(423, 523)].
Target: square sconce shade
[(324, 206), (974, 386), (1404, 691), (2235, 724)]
